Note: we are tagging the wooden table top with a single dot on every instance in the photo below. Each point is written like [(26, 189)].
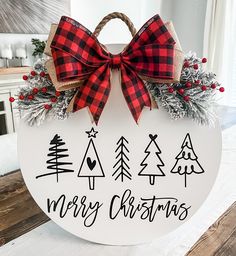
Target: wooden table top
[(18, 211), (15, 70), (19, 214)]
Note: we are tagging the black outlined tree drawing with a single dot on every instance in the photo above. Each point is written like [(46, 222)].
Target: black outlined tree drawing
[(152, 162), (91, 166), (121, 166), (187, 161), (54, 163)]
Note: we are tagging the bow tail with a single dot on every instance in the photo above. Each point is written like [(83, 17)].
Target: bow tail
[(135, 92), (94, 92)]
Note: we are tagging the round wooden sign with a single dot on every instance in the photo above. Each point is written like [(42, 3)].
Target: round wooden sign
[(118, 182)]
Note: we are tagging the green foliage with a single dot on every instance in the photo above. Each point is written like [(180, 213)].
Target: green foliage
[(39, 47), (200, 105)]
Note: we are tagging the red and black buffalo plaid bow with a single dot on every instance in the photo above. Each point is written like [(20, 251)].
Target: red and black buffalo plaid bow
[(77, 54)]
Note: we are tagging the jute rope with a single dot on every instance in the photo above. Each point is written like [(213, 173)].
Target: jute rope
[(111, 16)]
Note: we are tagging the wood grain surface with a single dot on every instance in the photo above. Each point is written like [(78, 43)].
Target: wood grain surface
[(15, 70), (18, 211), (220, 238)]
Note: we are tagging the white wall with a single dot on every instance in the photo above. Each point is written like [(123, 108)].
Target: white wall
[(187, 15), (90, 12)]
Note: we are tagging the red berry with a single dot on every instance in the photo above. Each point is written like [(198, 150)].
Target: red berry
[(203, 88), (11, 99), (31, 97), (44, 90), (57, 93), (33, 73), (181, 91), (222, 89), (21, 97), (188, 84), (195, 66), (213, 86), (170, 90), (35, 90), (47, 106), (204, 60), (42, 74), (25, 77), (197, 82), (186, 64), (53, 99), (186, 98)]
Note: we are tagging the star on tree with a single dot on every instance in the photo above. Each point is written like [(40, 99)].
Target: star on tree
[(92, 133), (91, 166)]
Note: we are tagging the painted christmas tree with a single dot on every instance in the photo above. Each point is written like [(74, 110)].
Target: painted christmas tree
[(54, 163), (152, 163), (121, 166), (187, 161), (91, 166)]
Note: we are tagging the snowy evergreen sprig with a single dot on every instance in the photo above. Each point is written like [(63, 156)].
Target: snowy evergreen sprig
[(44, 104), (193, 97), (39, 99)]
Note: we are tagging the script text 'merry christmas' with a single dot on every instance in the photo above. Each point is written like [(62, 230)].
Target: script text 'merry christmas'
[(125, 205)]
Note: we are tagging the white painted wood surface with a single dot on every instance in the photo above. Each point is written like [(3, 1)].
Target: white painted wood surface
[(50, 240), (123, 229)]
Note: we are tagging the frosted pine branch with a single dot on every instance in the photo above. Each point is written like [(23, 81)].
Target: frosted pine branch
[(198, 95)]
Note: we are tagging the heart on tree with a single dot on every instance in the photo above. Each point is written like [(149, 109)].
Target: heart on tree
[(91, 164)]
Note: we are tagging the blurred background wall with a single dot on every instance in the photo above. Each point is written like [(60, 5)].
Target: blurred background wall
[(188, 18)]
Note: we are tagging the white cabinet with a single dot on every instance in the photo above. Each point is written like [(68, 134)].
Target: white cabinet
[(6, 118), (9, 117)]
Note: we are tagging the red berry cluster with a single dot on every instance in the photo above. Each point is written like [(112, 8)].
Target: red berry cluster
[(36, 90), (195, 65), (189, 84), (34, 73), (53, 99)]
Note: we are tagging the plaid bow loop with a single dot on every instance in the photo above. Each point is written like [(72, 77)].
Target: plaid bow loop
[(77, 54)]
